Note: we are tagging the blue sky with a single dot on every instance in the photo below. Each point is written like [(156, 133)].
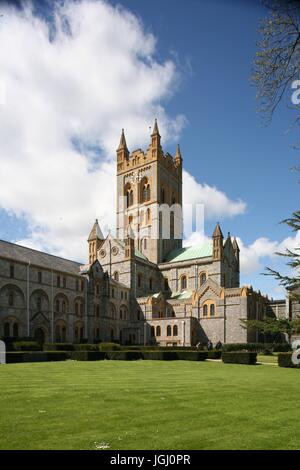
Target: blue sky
[(224, 144)]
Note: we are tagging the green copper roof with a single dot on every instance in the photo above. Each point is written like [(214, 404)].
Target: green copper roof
[(139, 254), (191, 252), (185, 294)]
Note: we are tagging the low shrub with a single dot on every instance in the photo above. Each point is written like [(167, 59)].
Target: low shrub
[(257, 347), (86, 347), (88, 355), (26, 346), (34, 356), (109, 347), (191, 355), (285, 360), (58, 347), (160, 355), (239, 357), (14, 357), (214, 354), (282, 347), (124, 355)]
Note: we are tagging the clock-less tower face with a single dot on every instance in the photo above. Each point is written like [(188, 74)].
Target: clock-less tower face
[(149, 198)]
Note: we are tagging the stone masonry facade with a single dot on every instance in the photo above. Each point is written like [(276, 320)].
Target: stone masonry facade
[(142, 286)]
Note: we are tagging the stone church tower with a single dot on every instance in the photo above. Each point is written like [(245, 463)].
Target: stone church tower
[(149, 198)]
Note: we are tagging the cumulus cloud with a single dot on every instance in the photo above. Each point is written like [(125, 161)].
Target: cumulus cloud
[(215, 202), (67, 90)]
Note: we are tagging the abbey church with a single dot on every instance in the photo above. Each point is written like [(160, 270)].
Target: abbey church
[(141, 286)]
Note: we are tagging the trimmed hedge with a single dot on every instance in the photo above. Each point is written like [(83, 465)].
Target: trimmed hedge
[(86, 347), (88, 355), (191, 355), (26, 346), (257, 347), (124, 355), (217, 354), (33, 356), (160, 355), (239, 357), (285, 360), (58, 347), (110, 347)]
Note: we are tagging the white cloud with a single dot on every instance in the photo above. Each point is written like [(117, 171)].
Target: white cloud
[(216, 203), (66, 100), (257, 255)]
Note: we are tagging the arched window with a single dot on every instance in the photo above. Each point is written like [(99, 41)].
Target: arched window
[(11, 299), (145, 243), (139, 280), (162, 195), (63, 334), (152, 331), (175, 330), (148, 192), (158, 331), (81, 309), (183, 282), (15, 330), (121, 314), (76, 308), (205, 310), (148, 216), (39, 303), (144, 193), (129, 197), (212, 310), (172, 225), (63, 305), (116, 275), (57, 305), (202, 279), (169, 330), (57, 334), (6, 330), (173, 200)]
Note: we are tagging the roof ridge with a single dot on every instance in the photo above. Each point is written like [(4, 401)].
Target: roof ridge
[(41, 252)]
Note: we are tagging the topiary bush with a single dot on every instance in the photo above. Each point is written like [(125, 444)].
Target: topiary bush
[(257, 347), (160, 355), (26, 346), (124, 355), (285, 360), (214, 354), (191, 355), (35, 356), (88, 355), (239, 357), (109, 347), (58, 347), (86, 347)]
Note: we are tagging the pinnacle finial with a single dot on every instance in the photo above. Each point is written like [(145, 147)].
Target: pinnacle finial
[(218, 231), (178, 153), (155, 128), (122, 144)]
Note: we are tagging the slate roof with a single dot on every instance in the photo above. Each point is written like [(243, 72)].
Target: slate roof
[(191, 252), (38, 258)]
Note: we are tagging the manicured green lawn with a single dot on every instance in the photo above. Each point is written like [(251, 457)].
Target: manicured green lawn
[(148, 405), (267, 359)]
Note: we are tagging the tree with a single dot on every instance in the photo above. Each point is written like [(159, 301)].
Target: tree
[(277, 62), (275, 327), (293, 256), (276, 67)]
